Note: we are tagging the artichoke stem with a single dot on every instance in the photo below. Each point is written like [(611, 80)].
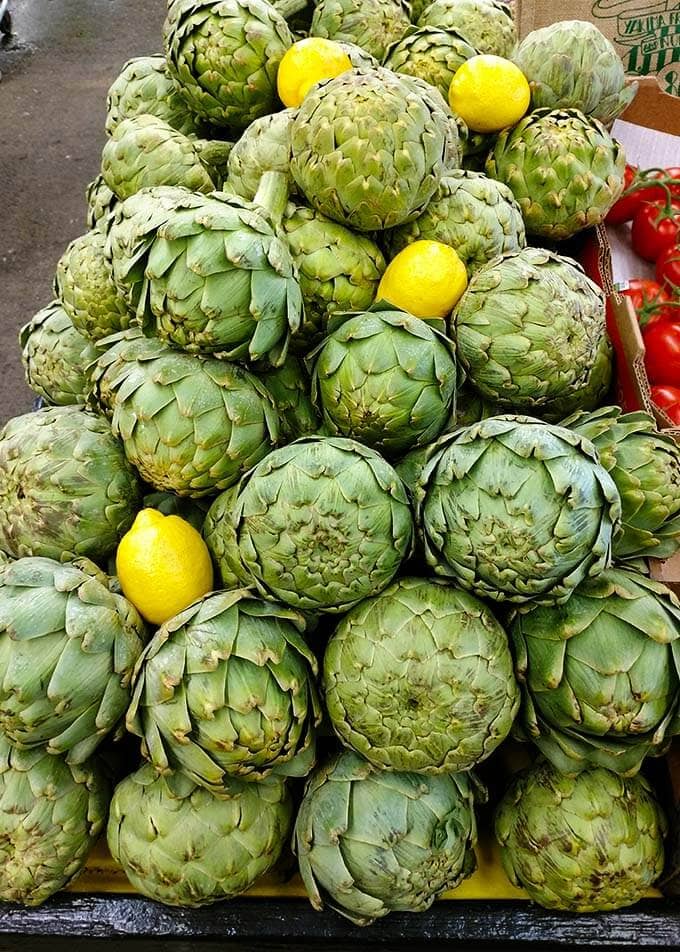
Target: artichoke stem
[(272, 194)]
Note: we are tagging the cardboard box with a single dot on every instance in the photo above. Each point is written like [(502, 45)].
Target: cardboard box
[(646, 33)]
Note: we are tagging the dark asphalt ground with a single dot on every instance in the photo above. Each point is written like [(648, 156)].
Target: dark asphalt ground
[(56, 70)]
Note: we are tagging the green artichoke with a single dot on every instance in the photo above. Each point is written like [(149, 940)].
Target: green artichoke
[(486, 24), (358, 56), (144, 86), (51, 815), (531, 335), (319, 525), (86, 289), (55, 357), (224, 55), (263, 147), (370, 843), (145, 151), (371, 24), (369, 147), (517, 510), (420, 678), (68, 647), (563, 168), (387, 379), (582, 844), (290, 388), (66, 489), (572, 65), (430, 54), (338, 270), (182, 846), (101, 201), (645, 465), (476, 215), (600, 673), (189, 425), (471, 408), (226, 689)]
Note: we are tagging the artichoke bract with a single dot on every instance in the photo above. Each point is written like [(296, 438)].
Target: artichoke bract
[(51, 815), (645, 465), (338, 270), (476, 215), (430, 54), (144, 87), (583, 844), (101, 201), (66, 487), (319, 525), (56, 357), (68, 647), (572, 65), (86, 288), (387, 379), (600, 673), (290, 388), (226, 689), (517, 510), (371, 24), (145, 151), (263, 147), (180, 845), (487, 24), (224, 55), (189, 425), (369, 147), (564, 169), (531, 334), (370, 843), (420, 678)]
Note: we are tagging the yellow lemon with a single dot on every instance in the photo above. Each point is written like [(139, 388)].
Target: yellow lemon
[(163, 565), (307, 63), (426, 279), (489, 93)]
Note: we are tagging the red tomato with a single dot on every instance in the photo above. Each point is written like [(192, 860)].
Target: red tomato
[(662, 352), (668, 268), (649, 299), (655, 227), (627, 205), (668, 399)]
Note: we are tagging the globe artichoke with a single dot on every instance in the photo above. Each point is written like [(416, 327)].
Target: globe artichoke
[(226, 689), (370, 843), (358, 56), (531, 335), (145, 151), (583, 844), (55, 357), (471, 408), (430, 54), (572, 65), (144, 86), (290, 388), (564, 169), (600, 673), (189, 425), (338, 270), (86, 289), (386, 379), (224, 55), (319, 525), (517, 510), (487, 25), (371, 24), (476, 215), (370, 147), (420, 678), (51, 815), (68, 646), (163, 831), (645, 465), (263, 147), (66, 489), (101, 201)]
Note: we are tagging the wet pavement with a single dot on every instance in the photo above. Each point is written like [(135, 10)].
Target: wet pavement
[(56, 69)]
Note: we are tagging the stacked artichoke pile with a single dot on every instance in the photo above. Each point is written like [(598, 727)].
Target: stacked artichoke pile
[(426, 530)]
